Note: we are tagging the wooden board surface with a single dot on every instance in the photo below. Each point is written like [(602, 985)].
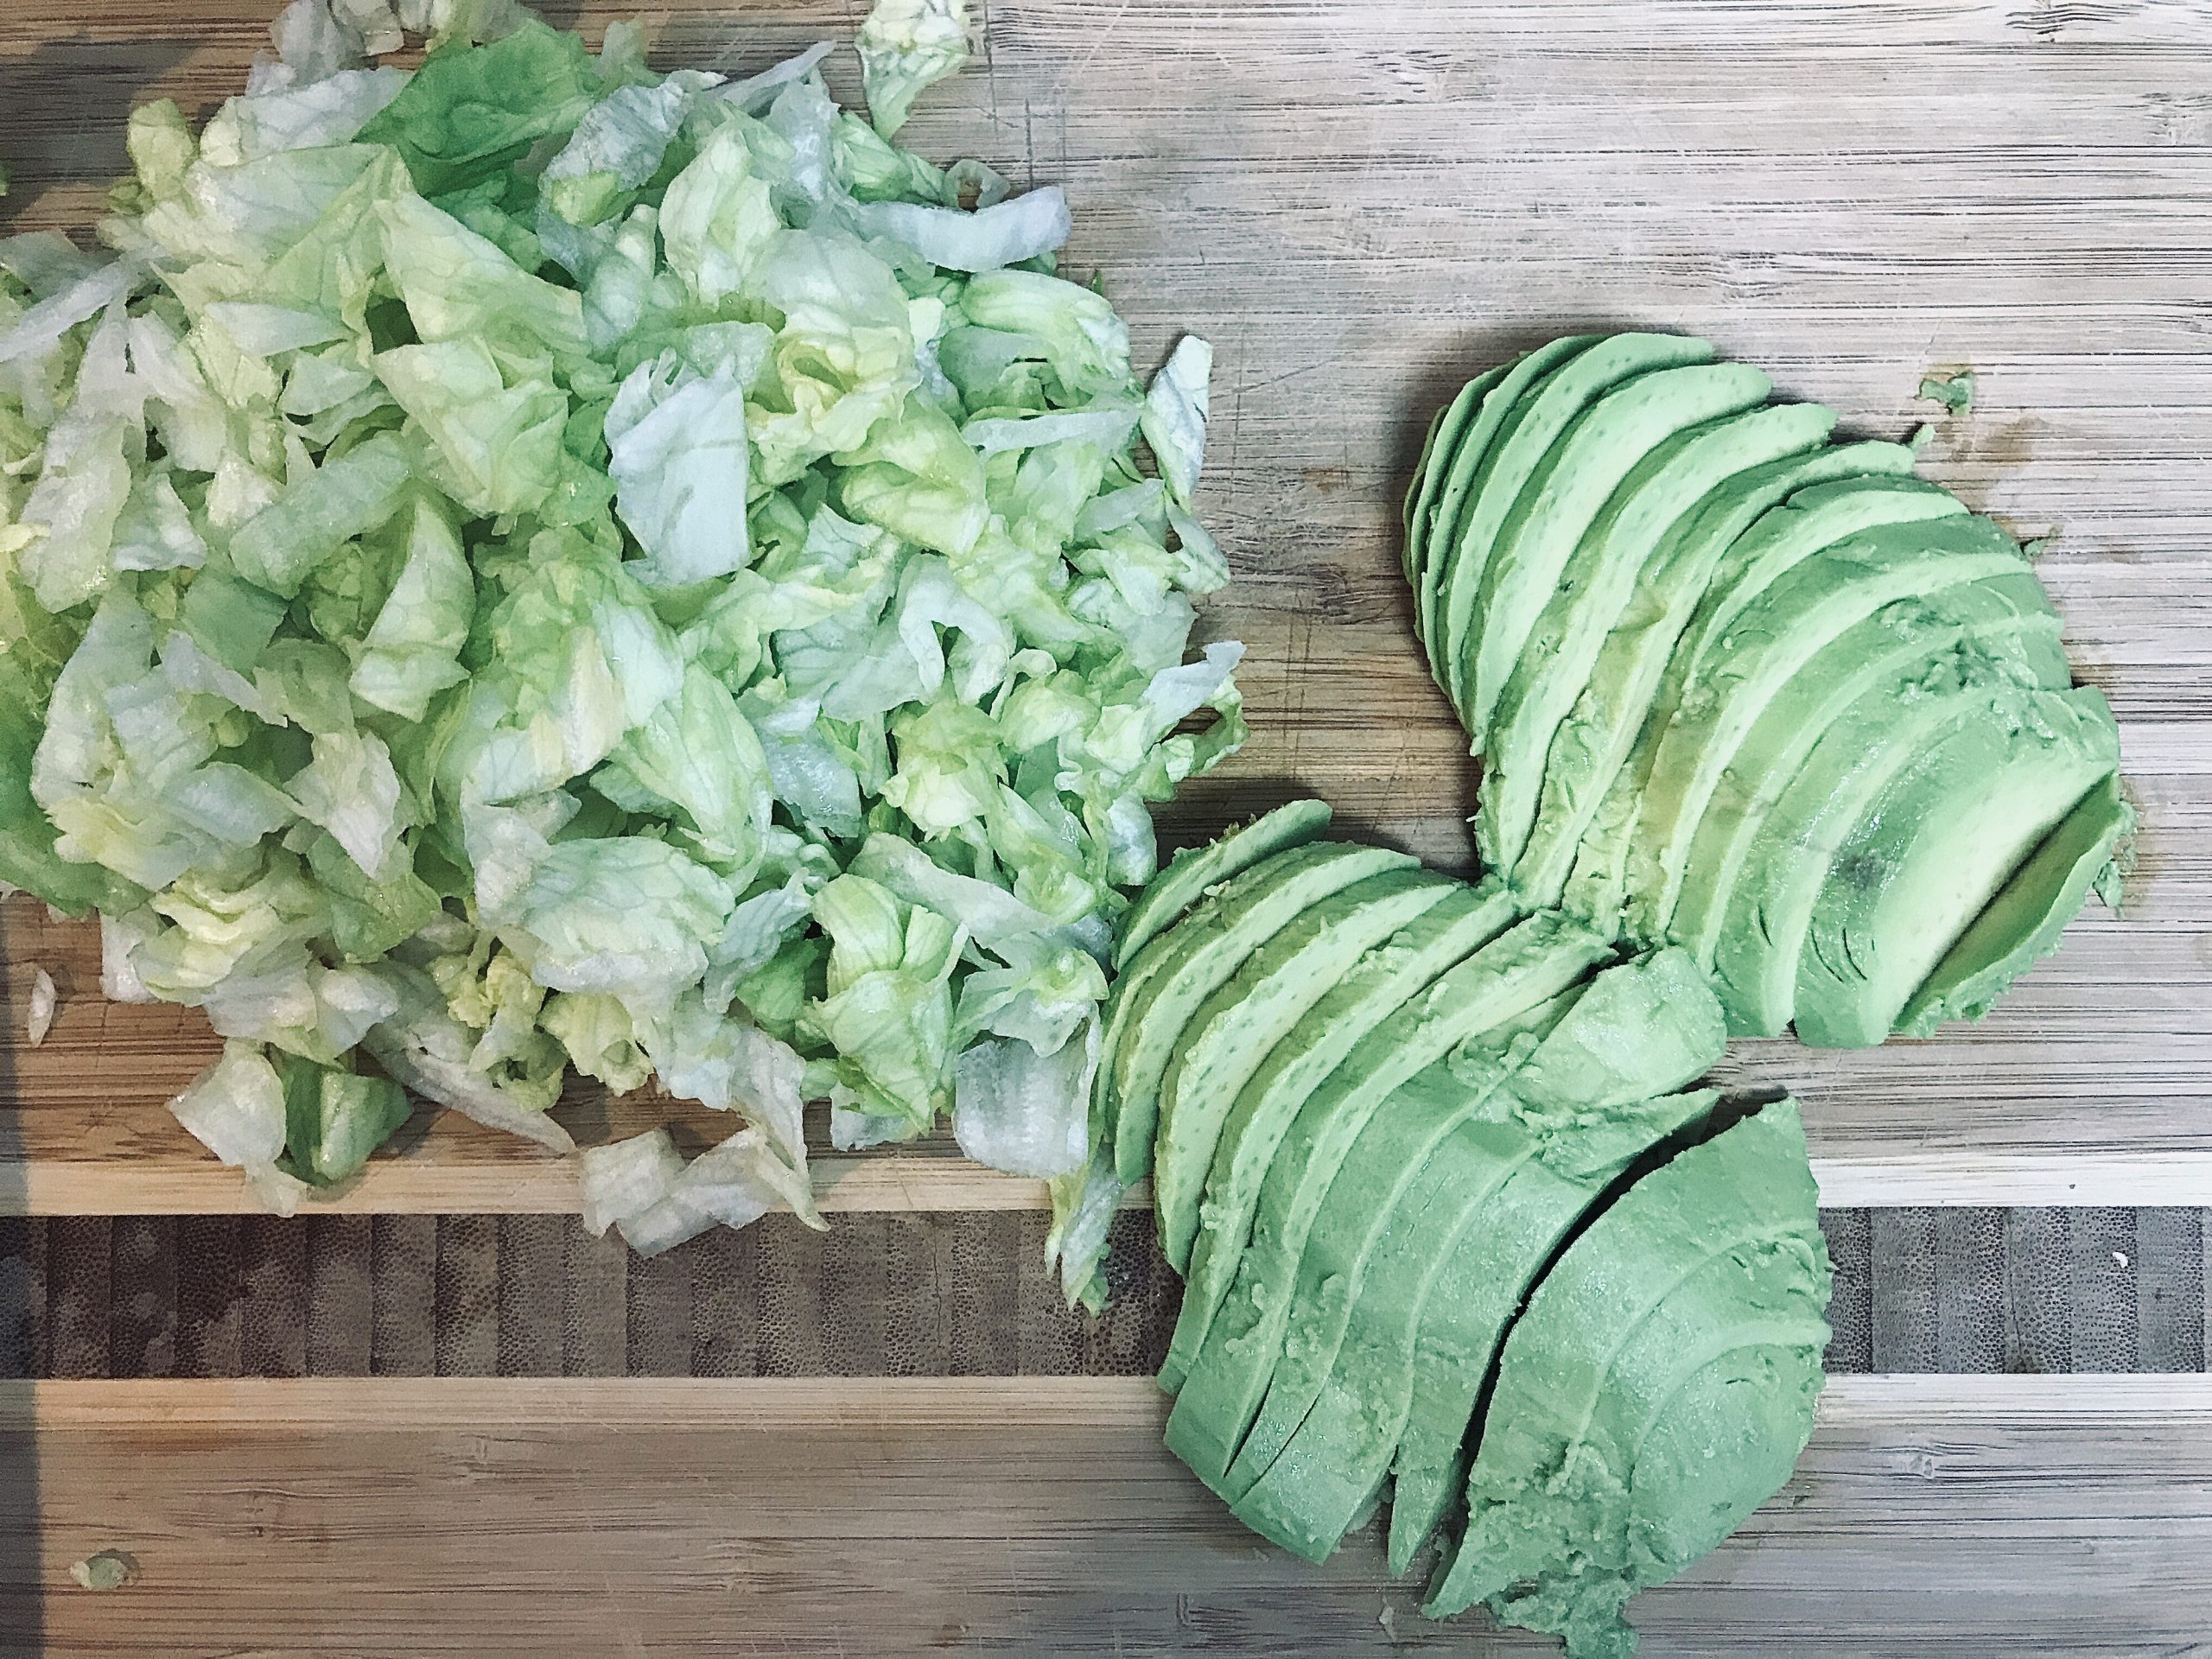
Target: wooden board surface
[(2050, 1516), (1361, 203)]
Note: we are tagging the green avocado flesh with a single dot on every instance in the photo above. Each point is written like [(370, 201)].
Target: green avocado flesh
[(1383, 980), (1528, 964), (1184, 881), (1567, 492), (1574, 1093), (1227, 1039), (2023, 922), (1996, 632), (1928, 857), (1592, 590), (1774, 734), (1462, 469), (1659, 1387), (1769, 641), (1593, 741), (1425, 500), (1406, 1103), (1179, 969), (1522, 439)]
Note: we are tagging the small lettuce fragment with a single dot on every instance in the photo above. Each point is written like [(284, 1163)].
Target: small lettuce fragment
[(907, 47)]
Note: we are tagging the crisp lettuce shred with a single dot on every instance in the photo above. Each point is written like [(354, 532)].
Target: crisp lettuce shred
[(535, 566)]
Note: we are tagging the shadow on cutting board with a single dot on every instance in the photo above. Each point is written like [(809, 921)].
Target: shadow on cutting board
[(21, 1616)]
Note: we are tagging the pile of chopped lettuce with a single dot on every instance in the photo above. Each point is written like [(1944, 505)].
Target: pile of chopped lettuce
[(534, 565)]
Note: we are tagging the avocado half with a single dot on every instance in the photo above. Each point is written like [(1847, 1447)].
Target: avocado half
[(1395, 1109), (1697, 646)]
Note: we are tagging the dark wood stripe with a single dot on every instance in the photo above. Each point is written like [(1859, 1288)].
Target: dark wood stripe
[(2170, 1312), (933, 1295)]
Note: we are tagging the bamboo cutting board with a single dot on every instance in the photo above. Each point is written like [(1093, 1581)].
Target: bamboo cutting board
[(1361, 202)]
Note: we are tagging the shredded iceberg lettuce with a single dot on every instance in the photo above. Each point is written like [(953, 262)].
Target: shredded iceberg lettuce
[(531, 566)]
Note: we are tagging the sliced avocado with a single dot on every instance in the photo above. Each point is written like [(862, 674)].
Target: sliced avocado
[(1162, 990), (1385, 979), (2023, 922), (1481, 1284), (1229, 1037), (1445, 435), (1811, 521), (1593, 590), (1937, 849), (1657, 1389), (1528, 964), (1378, 1189), (1463, 473), (1766, 644), (1368, 1191), (1524, 437), (1563, 497), (1917, 649), (1324, 1437), (1190, 872), (1595, 741), (1813, 517), (1757, 943)]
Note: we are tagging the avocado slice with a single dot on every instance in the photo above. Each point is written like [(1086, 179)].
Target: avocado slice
[(2023, 922), (1754, 960), (1601, 888), (1524, 437), (1527, 965), (1657, 1389), (1935, 850), (1462, 473), (1811, 521), (1384, 980), (1192, 872), (1377, 1190), (1445, 435), (1184, 966), (1593, 589), (1563, 497), (1595, 741), (1571, 1088), (1484, 1280), (1769, 641), (1229, 1036), (2003, 628)]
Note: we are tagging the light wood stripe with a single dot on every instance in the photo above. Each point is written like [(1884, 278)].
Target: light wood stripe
[(1930, 1519), (864, 1184), (429, 1404)]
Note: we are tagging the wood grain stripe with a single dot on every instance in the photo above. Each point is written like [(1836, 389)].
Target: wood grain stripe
[(1930, 1519)]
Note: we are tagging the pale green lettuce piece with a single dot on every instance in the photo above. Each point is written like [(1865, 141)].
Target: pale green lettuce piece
[(467, 114), (1008, 233), (906, 46), (888, 1013), (1175, 412), (716, 220), (319, 512), (412, 650), (678, 457), (843, 357)]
